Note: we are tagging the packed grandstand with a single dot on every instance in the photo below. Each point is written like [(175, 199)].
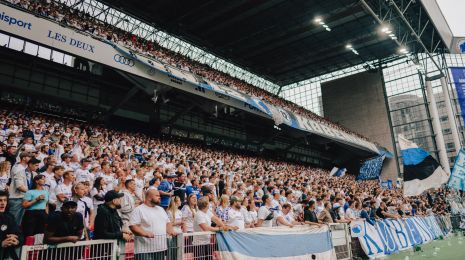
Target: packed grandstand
[(66, 180)]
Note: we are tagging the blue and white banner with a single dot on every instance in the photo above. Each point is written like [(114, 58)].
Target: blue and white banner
[(390, 236), (371, 169), (458, 76), (457, 178), (277, 243)]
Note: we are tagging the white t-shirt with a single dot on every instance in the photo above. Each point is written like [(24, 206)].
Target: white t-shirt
[(289, 218), (151, 219), (350, 213), (81, 208), (236, 218), (188, 217), (63, 189), (109, 180), (263, 212), (202, 218), (177, 218)]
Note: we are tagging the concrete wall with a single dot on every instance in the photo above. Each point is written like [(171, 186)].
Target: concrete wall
[(357, 102)]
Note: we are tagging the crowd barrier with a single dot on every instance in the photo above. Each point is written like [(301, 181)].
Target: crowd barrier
[(389, 236), (188, 246)]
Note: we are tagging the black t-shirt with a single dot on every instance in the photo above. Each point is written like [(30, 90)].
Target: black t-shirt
[(379, 213), (62, 227), (8, 226), (180, 190), (309, 215)]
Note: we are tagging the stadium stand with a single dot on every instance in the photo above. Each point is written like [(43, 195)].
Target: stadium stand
[(84, 22)]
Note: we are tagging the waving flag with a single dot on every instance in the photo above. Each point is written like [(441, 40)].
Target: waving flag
[(371, 169), (338, 172), (457, 179), (421, 170)]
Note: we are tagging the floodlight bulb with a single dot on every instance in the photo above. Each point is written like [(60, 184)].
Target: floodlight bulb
[(349, 46)]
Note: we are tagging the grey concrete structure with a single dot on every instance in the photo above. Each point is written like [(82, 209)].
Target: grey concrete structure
[(358, 103)]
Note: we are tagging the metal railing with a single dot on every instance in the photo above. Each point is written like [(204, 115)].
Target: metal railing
[(187, 246)]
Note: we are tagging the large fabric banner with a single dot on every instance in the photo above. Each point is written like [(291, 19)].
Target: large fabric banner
[(390, 236), (90, 47), (458, 76), (371, 169), (300, 242), (457, 178)]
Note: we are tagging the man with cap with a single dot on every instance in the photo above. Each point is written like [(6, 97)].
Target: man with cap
[(21, 182), (166, 190), (266, 213), (108, 224), (66, 225), (235, 218)]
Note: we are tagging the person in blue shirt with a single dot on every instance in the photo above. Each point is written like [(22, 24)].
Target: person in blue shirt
[(35, 202), (166, 190), (194, 188), (365, 213)]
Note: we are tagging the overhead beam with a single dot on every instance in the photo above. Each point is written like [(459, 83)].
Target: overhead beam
[(131, 93), (175, 118)]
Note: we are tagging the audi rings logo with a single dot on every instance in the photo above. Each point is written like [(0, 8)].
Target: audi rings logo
[(123, 60)]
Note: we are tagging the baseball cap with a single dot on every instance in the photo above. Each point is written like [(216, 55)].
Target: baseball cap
[(234, 199), (25, 154), (69, 203), (111, 195), (33, 160), (265, 197), (171, 175), (336, 205)]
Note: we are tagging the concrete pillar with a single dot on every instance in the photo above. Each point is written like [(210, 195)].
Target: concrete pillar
[(433, 110), (451, 115)]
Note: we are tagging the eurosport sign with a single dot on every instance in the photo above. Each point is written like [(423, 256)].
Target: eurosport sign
[(390, 236), (47, 32)]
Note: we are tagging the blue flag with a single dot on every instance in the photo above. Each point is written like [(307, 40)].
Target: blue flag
[(457, 179), (371, 169)]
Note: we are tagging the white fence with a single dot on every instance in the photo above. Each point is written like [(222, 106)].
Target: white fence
[(188, 246)]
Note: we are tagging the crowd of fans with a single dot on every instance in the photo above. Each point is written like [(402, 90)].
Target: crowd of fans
[(84, 22), (74, 181)]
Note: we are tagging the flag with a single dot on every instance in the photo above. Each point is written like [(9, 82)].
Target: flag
[(371, 169), (421, 170), (338, 172), (283, 243), (457, 179)]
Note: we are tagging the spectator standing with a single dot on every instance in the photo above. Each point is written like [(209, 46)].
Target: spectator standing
[(5, 167), (180, 186), (35, 203), (235, 217), (150, 225), (10, 234), (64, 190), (188, 212), (175, 215), (98, 192), (128, 202), (84, 206), (166, 190), (21, 181), (108, 224)]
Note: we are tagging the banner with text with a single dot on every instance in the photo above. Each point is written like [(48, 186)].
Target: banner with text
[(93, 48), (371, 169), (458, 77), (390, 236)]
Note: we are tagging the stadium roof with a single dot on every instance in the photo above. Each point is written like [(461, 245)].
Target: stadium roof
[(290, 41)]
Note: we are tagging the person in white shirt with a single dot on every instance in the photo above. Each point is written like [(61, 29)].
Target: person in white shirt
[(150, 225), (266, 213), (285, 217), (64, 190), (128, 202), (188, 212), (108, 176), (202, 222), (350, 211), (83, 174), (235, 218), (84, 206), (175, 215)]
